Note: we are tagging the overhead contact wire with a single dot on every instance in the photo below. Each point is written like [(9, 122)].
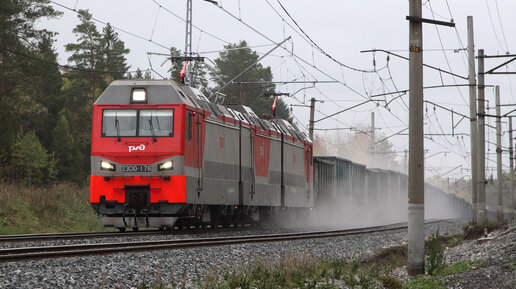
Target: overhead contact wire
[(114, 27), (318, 47), (193, 25)]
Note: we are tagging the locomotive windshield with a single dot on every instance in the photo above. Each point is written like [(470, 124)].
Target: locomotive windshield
[(137, 122)]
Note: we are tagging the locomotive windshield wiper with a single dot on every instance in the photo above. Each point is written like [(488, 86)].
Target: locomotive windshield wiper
[(152, 129), (157, 121), (117, 127)]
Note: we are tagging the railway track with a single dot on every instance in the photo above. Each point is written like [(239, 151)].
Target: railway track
[(30, 253), (66, 236), (92, 235)]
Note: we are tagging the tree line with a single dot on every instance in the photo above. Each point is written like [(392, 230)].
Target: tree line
[(45, 108)]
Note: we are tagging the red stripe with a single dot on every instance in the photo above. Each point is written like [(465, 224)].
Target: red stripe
[(173, 191)]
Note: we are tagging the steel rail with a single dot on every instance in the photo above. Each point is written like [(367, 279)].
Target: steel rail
[(91, 235), (30, 253), (64, 236)]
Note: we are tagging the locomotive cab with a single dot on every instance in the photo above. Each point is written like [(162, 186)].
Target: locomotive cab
[(138, 139)]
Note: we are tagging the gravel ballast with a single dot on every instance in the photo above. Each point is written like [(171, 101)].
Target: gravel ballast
[(496, 254), (126, 270)]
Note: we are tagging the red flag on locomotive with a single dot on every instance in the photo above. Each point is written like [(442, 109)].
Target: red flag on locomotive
[(183, 73), (274, 106)]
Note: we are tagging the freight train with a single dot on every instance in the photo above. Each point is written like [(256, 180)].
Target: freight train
[(163, 155), (382, 194)]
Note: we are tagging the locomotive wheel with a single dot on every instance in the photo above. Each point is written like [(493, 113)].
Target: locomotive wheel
[(121, 229), (135, 229)]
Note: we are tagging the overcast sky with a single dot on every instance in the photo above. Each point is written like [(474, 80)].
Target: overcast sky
[(342, 29)]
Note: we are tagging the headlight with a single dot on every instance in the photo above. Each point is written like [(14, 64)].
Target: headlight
[(138, 95), (166, 166), (107, 166)]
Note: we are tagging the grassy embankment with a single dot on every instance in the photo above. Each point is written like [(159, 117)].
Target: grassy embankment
[(61, 208), (376, 271)]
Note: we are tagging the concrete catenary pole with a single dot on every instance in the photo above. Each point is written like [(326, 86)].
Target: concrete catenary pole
[(499, 176), (311, 124), (473, 118), (481, 141), (511, 163), (372, 140), (416, 193)]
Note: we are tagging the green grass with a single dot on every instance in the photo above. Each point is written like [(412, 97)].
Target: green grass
[(460, 267), (305, 272), (327, 273), (510, 263), (424, 282), (61, 208), (430, 282)]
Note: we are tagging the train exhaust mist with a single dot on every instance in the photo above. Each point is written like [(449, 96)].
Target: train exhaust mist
[(387, 205), (360, 183)]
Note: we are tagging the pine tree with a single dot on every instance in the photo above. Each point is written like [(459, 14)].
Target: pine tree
[(32, 157), (86, 83), (232, 61), (114, 53), (87, 55)]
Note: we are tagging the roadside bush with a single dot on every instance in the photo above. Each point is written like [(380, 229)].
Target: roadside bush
[(435, 252), (31, 161)]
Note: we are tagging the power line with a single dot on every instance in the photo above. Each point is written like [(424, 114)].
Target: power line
[(492, 25), (234, 48), (114, 27), (194, 26), (406, 58), (318, 47), (295, 55), (62, 65), (444, 53), (284, 82), (501, 26), (463, 49), (392, 80)]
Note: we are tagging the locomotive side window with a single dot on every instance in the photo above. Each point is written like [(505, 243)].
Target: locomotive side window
[(137, 122), (116, 122), (156, 122), (188, 126)]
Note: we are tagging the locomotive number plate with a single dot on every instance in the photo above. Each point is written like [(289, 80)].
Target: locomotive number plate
[(137, 168)]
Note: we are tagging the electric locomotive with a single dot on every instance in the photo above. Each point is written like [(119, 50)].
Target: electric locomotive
[(163, 155)]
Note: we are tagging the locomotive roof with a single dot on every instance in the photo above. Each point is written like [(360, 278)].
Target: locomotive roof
[(158, 91), (169, 92)]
